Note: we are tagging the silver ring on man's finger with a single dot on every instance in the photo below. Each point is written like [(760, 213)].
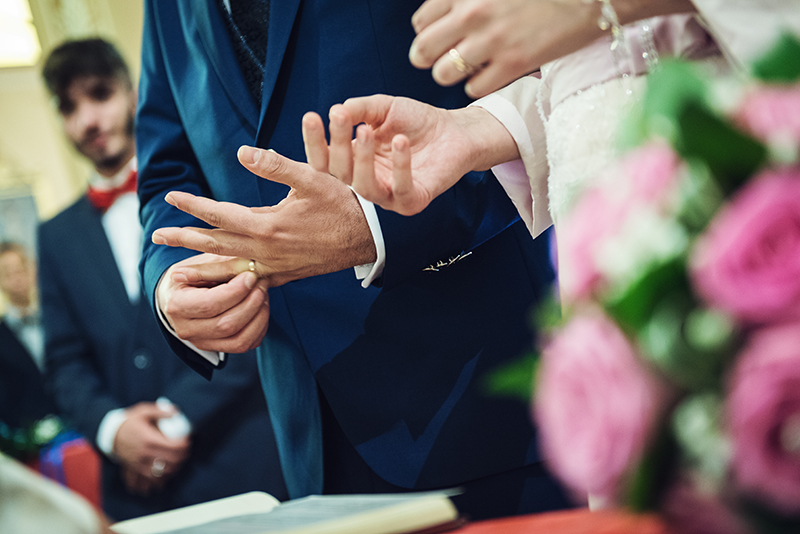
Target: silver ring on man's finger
[(157, 469)]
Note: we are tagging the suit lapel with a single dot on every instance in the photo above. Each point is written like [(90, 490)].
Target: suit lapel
[(214, 38), (93, 253), (282, 14)]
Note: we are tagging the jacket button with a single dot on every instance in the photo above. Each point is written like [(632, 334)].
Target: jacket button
[(141, 361)]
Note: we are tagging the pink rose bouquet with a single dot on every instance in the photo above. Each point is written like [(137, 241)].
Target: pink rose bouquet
[(671, 382)]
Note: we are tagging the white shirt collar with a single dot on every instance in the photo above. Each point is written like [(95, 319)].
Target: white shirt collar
[(102, 183)]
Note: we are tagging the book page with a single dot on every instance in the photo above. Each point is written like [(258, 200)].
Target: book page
[(332, 514), (191, 516)]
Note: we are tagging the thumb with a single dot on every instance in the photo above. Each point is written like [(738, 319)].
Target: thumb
[(270, 165)]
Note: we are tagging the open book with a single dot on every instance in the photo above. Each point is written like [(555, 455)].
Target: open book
[(260, 513)]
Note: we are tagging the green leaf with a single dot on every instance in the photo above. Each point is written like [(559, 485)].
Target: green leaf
[(514, 379), (668, 340), (782, 63), (731, 155), (647, 482), (633, 308), (700, 198), (669, 90), (548, 316)]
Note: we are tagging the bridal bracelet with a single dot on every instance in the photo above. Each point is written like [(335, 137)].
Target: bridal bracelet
[(619, 46), (608, 19)]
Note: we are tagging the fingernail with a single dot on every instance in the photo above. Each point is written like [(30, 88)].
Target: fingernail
[(250, 280), (158, 239), (179, 277), (262, 285), (412, 53), (170, 198), (248, 154)]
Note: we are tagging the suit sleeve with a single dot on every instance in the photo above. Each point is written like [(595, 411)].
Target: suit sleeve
[(166, 162)]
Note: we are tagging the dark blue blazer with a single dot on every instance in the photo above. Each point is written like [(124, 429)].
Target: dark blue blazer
[(23, 398), (103, 352), (401, 365)]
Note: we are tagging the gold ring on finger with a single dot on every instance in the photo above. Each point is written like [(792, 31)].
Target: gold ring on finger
[(461, 66)]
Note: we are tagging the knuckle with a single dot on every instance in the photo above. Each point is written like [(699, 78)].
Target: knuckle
[(226, 327), (425, 52), (213, 247), (213, 219), (203, 309), (272, 164), (475, 14)]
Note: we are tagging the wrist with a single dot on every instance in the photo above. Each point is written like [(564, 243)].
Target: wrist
[(629, 11), (489, 143)]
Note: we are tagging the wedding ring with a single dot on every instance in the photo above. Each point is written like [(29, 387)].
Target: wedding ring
[(461, 66), (157, 469), (252, 266)]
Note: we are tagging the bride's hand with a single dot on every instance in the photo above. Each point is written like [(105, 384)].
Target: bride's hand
[(406, 153), (498, 41)]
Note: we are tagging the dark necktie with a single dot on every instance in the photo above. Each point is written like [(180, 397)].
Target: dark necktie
[(102, 199), (247, 25)]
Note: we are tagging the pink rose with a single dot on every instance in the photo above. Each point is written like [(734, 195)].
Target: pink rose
[(653, 172), (763, 412), (645, 177), (748, 261), (594, 218), (771, 112), (596, 406)]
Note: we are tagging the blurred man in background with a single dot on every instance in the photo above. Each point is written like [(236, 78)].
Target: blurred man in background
[(23, 400)]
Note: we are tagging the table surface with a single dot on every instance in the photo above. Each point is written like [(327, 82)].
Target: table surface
[(580, 521)]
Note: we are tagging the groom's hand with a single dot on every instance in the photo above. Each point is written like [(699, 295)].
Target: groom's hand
[(318, 228), (230, 314)]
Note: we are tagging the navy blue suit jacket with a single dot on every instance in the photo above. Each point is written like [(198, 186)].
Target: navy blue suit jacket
[(401, 365), (23, 398), (103, 352)]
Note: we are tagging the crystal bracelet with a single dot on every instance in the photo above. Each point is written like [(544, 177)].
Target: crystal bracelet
[(623, 58), (608, 20)]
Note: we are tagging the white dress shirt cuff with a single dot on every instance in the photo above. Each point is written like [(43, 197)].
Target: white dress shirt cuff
[(505, 112), (211, 355), (107, 431), (524, 180), (368, 272)]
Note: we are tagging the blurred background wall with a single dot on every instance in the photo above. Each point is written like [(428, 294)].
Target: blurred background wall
[(40, 173)]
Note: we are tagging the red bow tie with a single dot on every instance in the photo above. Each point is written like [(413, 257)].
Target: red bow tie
[(102, 199)]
